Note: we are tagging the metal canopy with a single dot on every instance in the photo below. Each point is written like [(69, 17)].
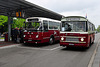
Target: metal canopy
[(24, 9), (28, 9)]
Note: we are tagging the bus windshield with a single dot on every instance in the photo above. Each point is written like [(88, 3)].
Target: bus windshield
[(75, 26), (33, 26)]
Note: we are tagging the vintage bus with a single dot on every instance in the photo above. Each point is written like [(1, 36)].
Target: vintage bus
[(41, 30), (76, 31)]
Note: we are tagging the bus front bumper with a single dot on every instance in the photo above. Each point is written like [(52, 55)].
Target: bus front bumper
[(74, 44), (32, 41)]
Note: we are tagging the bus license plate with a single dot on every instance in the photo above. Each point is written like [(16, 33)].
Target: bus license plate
[(29, 40), (71, 44)]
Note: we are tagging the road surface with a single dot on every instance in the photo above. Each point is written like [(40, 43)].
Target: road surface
[(45, 55)]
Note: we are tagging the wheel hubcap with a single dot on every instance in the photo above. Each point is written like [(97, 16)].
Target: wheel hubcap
[(51, 40)]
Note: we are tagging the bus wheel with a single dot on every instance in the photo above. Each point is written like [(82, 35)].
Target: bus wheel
[(89, 44), (25, 43), (51, 40), (90, 41), (93, 41)]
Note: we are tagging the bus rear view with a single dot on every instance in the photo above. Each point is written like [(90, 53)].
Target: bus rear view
[(76, 31)]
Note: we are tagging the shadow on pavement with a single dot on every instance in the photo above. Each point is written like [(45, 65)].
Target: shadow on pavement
[(74, 49), (4, 43), (82, 49), (39, 45)]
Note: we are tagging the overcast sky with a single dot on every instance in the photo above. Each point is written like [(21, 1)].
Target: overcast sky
[(73, 8)]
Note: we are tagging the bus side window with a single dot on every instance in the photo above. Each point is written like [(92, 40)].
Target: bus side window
[(45, 26)]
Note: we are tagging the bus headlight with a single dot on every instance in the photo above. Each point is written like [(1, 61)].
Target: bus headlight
[(24, 35), (31, 33), (28, 33), (37, 36), (62, 38), (25, 30), (82, 39)]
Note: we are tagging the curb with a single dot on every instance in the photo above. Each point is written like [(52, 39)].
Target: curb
[(93, 56)]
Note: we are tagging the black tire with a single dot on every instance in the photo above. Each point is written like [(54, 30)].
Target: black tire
[(51, 40), (25, 43), (67, 47), (89, 44), (93, 41)]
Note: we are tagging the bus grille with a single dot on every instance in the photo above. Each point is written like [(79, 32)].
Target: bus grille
[(72, 39)]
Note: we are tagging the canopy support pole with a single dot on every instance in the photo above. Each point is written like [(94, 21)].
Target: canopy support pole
[(9, 26)]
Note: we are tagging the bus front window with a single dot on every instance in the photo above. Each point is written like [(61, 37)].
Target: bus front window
[(74, 26), (33, 26)]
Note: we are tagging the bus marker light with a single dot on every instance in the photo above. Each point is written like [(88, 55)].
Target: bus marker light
[(31, 33), (24, 42), (37, 36), (82, 39), (62, 38), (24, 36)]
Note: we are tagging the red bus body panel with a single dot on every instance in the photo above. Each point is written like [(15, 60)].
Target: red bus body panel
[(85, 43), (30, 37)]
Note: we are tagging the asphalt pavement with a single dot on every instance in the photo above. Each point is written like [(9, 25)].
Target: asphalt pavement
[(96, 61), (44, 55)]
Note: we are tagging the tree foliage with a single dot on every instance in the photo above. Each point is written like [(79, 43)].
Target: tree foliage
[(18, 22), (98, 29), (3, 19), (3, 23)]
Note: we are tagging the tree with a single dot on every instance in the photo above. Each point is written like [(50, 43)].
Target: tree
[(3, 23), (3, 19), (18, 22), (98, 29)]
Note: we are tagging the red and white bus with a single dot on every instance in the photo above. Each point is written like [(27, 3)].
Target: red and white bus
[(41, 30), (76, 31)]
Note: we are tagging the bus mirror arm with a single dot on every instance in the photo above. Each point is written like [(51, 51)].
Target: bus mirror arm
[(25, 25)]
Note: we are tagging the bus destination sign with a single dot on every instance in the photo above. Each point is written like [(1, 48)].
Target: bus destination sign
[(73, 19)]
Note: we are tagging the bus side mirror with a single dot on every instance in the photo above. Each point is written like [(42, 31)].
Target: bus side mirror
[(45, 30)]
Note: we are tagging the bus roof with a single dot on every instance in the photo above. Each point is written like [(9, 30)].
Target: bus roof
[(83, 18), (42, 18), (74, 18)]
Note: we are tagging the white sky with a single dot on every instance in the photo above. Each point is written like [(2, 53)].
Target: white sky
[(73, 8)]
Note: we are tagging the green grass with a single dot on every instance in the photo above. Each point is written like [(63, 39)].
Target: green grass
[(2, 38)]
